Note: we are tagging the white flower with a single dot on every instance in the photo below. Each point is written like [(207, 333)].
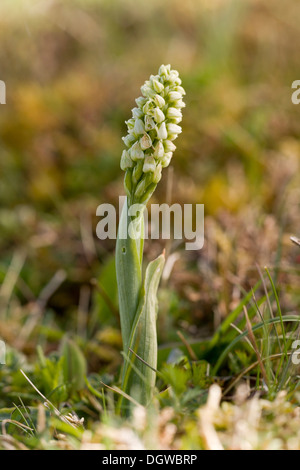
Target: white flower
[(149, 123)]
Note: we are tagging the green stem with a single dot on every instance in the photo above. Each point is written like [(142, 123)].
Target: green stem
[(138, 311), (129, 257)]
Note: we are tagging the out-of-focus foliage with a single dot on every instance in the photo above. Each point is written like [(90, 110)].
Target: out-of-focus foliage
[(72, 70)]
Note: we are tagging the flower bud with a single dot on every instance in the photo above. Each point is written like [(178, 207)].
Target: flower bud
[(174, 113), (179, 104), (139, 127), (172, 136), (162, 132), (159, 101), (126, 161), (158, 87), (158, 115), (148, 107), (147, 194), (166, 91), (174, 96), (177, 81), (174, 129), (159, 150), (180, 89), (128, 140), (145, 142), (169, 146), (143, 184), (149, 164), (140, 101), (173, 76), (137, 171), (166, 159), (176, 120), (164, 70), (157, 174), (136, 153), (147, 91), (137, 113)]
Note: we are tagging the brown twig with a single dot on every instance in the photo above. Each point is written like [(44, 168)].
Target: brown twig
[(295, 240)]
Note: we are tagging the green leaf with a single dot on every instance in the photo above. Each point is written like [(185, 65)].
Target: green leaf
[(140, 379), (75, 367)]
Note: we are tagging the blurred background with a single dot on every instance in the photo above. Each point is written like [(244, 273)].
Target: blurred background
[(72, 71)]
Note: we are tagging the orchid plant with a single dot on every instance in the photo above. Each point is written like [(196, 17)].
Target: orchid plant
[(149, 148)]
